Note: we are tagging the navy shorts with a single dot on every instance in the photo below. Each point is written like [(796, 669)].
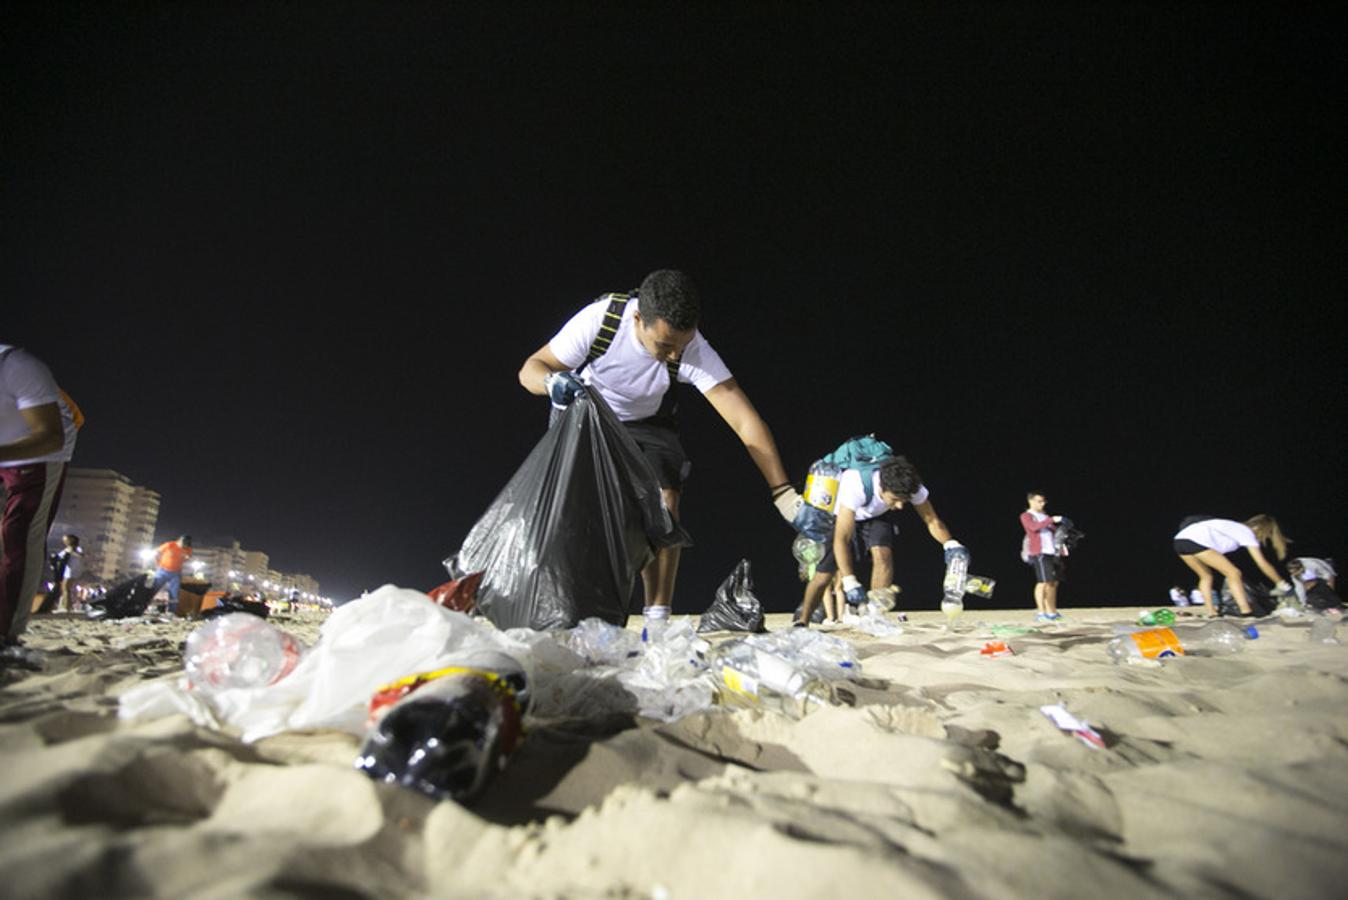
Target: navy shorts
[(1186, 547), (660, 445), (1046, 567), (877, 532)]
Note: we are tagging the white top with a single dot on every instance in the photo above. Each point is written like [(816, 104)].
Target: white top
[(26, 382), (1047, 547), (627, 376), (852, 495), (1314, 569), (1222, 535)]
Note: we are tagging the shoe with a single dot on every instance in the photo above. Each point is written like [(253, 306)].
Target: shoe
[(1043, 617)]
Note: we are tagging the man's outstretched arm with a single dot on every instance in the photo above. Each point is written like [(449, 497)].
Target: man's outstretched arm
[(732, 404)]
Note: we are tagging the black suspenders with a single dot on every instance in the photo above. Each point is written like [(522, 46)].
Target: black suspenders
[(608, 329)]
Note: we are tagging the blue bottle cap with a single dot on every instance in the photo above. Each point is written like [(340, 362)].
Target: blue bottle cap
[(1251, 632)]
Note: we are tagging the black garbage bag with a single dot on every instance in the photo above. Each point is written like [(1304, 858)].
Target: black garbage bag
[(232, 603), (1262, 600), (735, 607), (124, 600), (568, 535)]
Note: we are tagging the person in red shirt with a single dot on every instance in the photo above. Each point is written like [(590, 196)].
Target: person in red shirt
[(1044, 556), (169, 574)]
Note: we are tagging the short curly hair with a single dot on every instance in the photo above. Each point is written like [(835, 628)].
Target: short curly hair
[(899, 476), (670, 295)]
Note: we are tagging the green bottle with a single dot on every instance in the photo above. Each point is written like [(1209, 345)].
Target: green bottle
[(1158, 617)]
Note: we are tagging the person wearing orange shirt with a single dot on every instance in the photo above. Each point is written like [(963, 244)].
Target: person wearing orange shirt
[(169, 574)]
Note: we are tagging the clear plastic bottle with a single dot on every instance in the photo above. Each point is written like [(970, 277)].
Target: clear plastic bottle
[(1324, 629), (758, 678), (453, 732), (1210, 639), (956, 574), (1217, 638), (239, 650)]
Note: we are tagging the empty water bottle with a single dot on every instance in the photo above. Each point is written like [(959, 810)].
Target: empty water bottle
[(956, 574), (1324, 628), (1217, 638), (239, 650), (1211, 639), (1135, 645), (448, 732)]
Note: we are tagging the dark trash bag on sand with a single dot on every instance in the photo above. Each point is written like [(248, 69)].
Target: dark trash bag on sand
[(232, 603), (1262, 600), (573, 528), (735, 607), (125, 600)]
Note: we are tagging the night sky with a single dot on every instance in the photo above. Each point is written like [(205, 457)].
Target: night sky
[(289, 258)]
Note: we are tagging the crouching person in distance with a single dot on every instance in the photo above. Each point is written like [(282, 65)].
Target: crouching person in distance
[(869, 525)]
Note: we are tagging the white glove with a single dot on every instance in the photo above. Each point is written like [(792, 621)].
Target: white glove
[(787, 502), (1283, 589)]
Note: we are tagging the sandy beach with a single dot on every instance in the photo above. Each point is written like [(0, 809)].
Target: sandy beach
[(938, 777)]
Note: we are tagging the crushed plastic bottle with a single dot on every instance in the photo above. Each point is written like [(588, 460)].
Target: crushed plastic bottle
[(1219, 638), (756, 678), (788, 672), (1156, 617), (807, 553), (451, 731), (1324, 629), (603, 643), (239, 650)]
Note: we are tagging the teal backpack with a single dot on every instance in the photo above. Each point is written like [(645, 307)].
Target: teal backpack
[(865, 453)]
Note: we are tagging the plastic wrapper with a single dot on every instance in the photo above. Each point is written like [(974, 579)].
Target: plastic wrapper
[(460, 594), (735, 607), (568, 535)]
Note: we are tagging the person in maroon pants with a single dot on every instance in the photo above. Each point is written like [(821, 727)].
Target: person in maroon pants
[(37, 437)]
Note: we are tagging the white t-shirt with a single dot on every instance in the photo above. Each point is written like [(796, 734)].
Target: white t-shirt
[(26, 382), (852, 495), (1222, 535), (627, 376)]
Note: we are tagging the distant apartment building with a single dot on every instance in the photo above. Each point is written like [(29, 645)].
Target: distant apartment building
[(233, 568), (114, 518)]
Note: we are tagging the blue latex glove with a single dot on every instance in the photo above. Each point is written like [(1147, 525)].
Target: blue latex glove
[(853, 592), (954, 549), (563, 387)]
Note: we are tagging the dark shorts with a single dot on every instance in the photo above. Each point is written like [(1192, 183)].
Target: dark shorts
[(877, 532), (1186, 547), (1046, 567), (660, 445)]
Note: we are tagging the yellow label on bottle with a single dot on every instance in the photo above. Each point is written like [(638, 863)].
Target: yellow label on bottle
[(1157, 643), (739, 682), (821, 491)]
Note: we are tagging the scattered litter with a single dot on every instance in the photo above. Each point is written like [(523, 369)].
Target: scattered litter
[(996, 648), (1079, 728)]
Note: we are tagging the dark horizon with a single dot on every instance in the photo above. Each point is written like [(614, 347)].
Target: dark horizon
[(289, 260)]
